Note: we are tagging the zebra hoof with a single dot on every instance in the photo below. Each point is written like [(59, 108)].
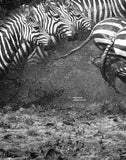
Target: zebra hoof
[(96, 61), (121, 75)]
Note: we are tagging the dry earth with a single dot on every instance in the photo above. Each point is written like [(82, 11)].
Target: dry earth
[(43, 119)]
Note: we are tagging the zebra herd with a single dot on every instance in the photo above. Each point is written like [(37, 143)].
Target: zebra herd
[(109, 35), (37, 24), (31, 31)]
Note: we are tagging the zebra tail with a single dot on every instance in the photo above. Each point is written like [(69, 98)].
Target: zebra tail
[(104, 66), (77, 48), (103, 62)]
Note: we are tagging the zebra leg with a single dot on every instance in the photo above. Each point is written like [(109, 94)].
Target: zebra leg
[(105, 67), (96, 61), (121, 74), (110, 71), (103, 63)]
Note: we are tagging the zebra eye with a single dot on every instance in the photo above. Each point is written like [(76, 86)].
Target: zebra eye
[(57, 16), (78, 15), (36, 27)]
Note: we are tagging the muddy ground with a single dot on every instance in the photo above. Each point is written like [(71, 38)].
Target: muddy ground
[(43, 120)]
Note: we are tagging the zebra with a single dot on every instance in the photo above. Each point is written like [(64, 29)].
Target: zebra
[(19, 27), (58, 19), (119, 47), (80, 20), (52, 21), (55, 11), (68, 14), (98, 10), (30, 53), (39, 56), (103, 35)]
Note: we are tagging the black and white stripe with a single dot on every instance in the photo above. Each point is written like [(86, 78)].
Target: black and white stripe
[(53, 20), (108, 35), (121, 74), (19, 27), (39, 56), (119, 46), (102, 33), (98, 10), (60, 20), (27, 53)]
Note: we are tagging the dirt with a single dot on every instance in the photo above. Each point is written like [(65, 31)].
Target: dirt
[(63, 111)]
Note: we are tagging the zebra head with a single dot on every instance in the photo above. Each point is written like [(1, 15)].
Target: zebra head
[(81, 19), (65, 26), (33, 31)]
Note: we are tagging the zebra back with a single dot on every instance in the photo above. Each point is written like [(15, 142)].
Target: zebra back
[(99, 10)]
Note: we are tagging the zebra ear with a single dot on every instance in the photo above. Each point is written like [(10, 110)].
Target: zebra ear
[(25, 9), (75, 8), (66, 3), (46, 6), (28, 13)]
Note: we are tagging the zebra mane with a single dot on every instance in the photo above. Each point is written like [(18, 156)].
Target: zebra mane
[(17, 11), (36, 2), (44, 2), (11, 14)]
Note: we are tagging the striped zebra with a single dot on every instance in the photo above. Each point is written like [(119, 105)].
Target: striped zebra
[(28, 52), (39, 56), (53, 26), (98, 10), (103, 35), (59, 19), (80, 20), (119, 47), (19, 27), (52, 21)]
